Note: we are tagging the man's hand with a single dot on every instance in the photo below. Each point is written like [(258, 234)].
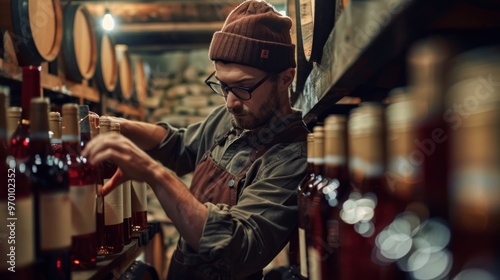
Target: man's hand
[(133, 163)]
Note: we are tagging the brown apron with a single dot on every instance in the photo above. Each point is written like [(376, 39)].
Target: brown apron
[(212, 183)]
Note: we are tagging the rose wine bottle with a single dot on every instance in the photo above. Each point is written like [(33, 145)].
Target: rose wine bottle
[(82, 193), (474, 185), (50, 182), (127, 206), (55, 127), (127, 212), (371, 205), (139, 203), (325, 210), (113, 202), (13, 118), (17, 258), (300, 259), (19, 154), (101, 241), (314, 242)]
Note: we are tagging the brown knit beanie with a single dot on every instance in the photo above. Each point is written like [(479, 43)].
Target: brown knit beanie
[(256, 35)]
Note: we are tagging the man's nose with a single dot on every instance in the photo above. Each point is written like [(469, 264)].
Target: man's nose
[(232, 101)]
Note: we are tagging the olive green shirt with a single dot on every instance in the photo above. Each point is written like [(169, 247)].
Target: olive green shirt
[(243, 239)]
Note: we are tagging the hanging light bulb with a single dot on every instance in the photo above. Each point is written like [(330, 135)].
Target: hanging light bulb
[(108, 23)]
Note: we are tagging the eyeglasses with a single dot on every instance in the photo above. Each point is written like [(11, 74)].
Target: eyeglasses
[(243, 93)]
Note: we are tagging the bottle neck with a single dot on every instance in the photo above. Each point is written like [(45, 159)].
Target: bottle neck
[(30, 88)]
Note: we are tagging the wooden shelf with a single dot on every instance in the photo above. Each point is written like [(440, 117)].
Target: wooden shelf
[(52, 83), (113, 265), (125, 109), (59, 88), (366, 51)]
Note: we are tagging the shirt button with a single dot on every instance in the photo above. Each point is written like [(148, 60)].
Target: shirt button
[(231, 183)]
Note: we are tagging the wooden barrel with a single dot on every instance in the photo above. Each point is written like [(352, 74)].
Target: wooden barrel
[(125, 85), (316, 18), (106, 74), (141, 80), (79, 47), (36, 28)]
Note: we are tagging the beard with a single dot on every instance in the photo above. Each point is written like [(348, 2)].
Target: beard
[(245, 119)]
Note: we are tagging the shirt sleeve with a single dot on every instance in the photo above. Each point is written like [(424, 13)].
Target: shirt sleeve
[(182, 148), (245, 238)]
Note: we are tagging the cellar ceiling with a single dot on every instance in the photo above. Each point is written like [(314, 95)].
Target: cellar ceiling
[(152, 27)]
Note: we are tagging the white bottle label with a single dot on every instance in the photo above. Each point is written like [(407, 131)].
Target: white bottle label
[(314, 264), (83, 205), (113, 206), (55, 218), (303, 254), (139, 196), (127, 204), (17, 239)]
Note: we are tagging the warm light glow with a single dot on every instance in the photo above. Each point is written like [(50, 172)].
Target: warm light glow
[(108, 23)]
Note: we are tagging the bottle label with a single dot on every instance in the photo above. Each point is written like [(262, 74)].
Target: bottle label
[(127, 204), (335, 160), (83, 207), (139, 196), (113, 206), (314, 264), (55, 216), (475, 192), (99, 199), (303, 254), (17, 241)]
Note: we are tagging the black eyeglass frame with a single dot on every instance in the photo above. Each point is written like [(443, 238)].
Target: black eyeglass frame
[(230, 89)]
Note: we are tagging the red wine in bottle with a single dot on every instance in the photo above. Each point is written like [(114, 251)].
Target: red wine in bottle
[(325, 213), (474, 185), (50, 182), (17, 258), (370, 206), (82, 192), (19, 155), (113, 202)]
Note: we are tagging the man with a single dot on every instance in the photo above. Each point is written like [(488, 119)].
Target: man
[(248, 157)]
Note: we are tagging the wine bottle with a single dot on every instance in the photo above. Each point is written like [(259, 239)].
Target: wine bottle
[(30, 89), (428, 62), (139, 201), (371, 205), (325, 211), (82, 192), (84, 121), (55, 127), (127, 207), (13, 117), (300, 259), (17, 247), (474, 185), (314, 227), (19, 154), (101, 240), (50, 182), (113, 201)]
